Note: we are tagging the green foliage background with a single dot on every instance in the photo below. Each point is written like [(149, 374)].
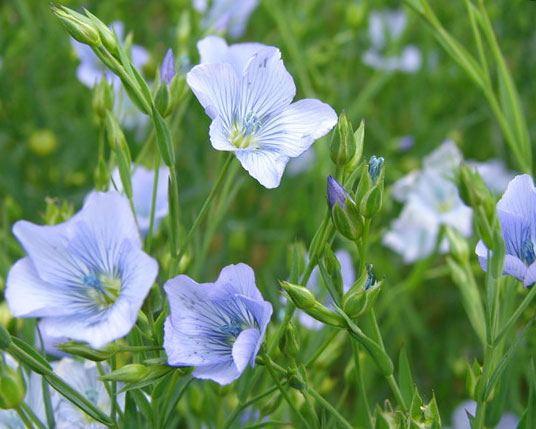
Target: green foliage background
[(48, 148)]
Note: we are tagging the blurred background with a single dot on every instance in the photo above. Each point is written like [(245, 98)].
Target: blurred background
[(48, 147)]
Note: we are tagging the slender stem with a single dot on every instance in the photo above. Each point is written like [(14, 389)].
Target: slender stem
[(269, 365), (246, 404), (205, 206), (153, 203), (25, 419), (329, 408), (517, 314), (361, 383)]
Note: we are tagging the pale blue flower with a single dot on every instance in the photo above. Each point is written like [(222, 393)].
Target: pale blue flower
[(348, 279), (91, 70), (87, 277), (218, 328), (84, 378), (226, 16), (461, 421), (517, 215), (385, 29), (248, 94), (142, 190), (431, 200)]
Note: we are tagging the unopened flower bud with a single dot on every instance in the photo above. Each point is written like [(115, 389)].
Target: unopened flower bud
[(457, 244), (162, 100), (107, 36), (12, 389), (371, 203), (78, 26), (128, 374), (332, 271), (300, 296), (343, 144), (167, 69), (375, 168), (289, 344), (103, 98), (295, 380), (84, 351), (336, 193)]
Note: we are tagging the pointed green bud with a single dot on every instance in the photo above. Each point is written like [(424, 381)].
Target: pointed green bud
[(131, 373), (359, 137), (364, 185), (458, 245), (362, 295), (12, 389), (295, 380), (106, 35), (343, 144), (371, 203), (289, 344), (103, 98), (162, 100), (84, 351), (78, 26), (300, 296), (5, 338)]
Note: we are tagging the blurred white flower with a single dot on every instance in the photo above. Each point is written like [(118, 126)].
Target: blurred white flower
[(385, 29), (226, 16), (431, 200)]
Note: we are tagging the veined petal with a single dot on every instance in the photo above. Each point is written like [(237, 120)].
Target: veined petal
[(46, 246), (266, 87), (219, 135), (262, 312), (23, 282), (212, 50), (95, 329), (242, 280), (515, 230), (222, 373), (297, 127), (530, 276), (245, 348), (265, 166), (520, 198), (216, 87)]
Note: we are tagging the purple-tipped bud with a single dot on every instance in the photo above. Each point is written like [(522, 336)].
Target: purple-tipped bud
[(336, 193), (375, 167), (167, 70)]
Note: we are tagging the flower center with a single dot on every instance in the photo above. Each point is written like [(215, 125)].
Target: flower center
[(242, 134), (527, 251), (102, 289)]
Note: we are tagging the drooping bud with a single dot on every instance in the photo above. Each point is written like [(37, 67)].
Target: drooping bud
[(306, 301), (12, 389), (78, 26), (343, 144), (167, 69)]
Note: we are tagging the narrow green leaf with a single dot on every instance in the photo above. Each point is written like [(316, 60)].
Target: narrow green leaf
[(405, 378)]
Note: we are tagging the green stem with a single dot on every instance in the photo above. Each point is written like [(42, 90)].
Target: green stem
[(25, 419), (517, 314), (330, 408), (361, 383), (270, 365), (246, 404), (153, 203), (205, 206)]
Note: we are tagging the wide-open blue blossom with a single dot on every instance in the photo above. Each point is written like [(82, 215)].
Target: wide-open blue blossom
[(226, 16), (517, 215), (216, 327), (248, 94), (87, 277), (142, 193)]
